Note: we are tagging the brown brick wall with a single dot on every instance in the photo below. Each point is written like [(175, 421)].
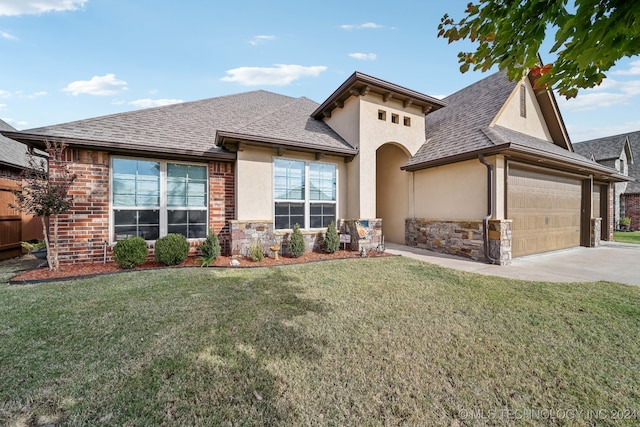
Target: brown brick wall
[(632, 209), (222, 202), (84, 229), (611, 204)]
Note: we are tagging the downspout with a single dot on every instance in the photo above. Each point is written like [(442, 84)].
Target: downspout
[(485, 220)]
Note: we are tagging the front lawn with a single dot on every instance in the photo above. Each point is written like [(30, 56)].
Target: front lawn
[(356, 342), (627, 236)]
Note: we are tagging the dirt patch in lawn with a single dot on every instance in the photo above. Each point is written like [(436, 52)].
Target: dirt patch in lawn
[(87, 270)]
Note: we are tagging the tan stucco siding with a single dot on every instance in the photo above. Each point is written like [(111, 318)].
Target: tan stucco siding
[(393, 190), (254, 181), (345, 121), (359, 124), (452, 192), (377, 132), (254, 184), (533, 124)]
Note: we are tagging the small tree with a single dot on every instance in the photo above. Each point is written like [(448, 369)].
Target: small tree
[(44, 192), (331, 239), (210, 249), (296, 242)]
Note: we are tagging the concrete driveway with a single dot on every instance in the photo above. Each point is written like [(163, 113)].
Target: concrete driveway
[(612, 262)]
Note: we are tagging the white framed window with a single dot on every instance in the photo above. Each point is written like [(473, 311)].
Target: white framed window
[(151, 198), (304, 194)]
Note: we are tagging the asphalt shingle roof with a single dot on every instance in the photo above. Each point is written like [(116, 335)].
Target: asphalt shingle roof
[(12, 152), (459, 127), (610, 147), (606, 148), (191, 126)]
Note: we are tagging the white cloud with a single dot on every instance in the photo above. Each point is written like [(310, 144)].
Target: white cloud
[(634, 70), (364, 56), (148, 103), (366, 25), (15, 123), (610, 93), (5, 94), (585, 133), (591, 101), (36, 7), (3, 105), (261, 39), (7, 36), (98, 85), (278, 75)]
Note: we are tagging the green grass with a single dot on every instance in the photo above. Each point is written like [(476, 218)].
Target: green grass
[(355, 342), (626, 236)]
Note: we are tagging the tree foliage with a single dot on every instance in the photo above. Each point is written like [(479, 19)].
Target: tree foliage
[(332, 239), (296, 242), (590, 36), (44, 192)]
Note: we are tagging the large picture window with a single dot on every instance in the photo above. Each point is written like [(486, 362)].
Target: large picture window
[(304, 193), (153, 198)]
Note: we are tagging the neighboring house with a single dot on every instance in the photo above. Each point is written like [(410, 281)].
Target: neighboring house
[(614, 152), (487, 173), (14, 226)]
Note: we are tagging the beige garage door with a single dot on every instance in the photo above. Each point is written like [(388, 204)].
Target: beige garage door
[(545, 210)]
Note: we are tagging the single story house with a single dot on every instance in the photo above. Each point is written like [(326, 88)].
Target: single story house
[(618, 152), (15, 227), (487, 173)]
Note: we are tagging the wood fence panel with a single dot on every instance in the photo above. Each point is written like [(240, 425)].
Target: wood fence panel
[(10, 221)]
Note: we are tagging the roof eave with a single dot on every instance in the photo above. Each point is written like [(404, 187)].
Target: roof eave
[(370, 83), (487, 151), (563, 163), (230, 140), (38, 141)]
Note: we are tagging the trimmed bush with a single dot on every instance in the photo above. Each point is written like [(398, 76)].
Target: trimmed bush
[(210, 249), (172, 249), (296, 242), (256, 253), (331, 239), (131, 252)]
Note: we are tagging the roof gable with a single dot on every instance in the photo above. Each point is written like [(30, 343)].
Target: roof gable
[(458, 128), (12, 153), (606, 148), (361, 84)]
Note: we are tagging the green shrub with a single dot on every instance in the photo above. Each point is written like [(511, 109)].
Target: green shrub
[(210, 249), (296, 242), (131, 252), (172, 249), (256, 253), (331, 239), (625, 222)]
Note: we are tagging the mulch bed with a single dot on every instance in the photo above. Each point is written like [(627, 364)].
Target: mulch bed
[(89, 270)]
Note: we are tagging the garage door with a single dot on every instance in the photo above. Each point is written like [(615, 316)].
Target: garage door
[(545, 210)]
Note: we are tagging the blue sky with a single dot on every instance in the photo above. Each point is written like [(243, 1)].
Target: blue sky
[(65, 60)]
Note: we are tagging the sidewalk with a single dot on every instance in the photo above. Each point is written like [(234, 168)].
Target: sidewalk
[(613, 262)]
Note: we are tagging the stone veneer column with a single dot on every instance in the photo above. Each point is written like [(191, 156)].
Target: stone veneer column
[(596, 225), (371, 242), (500, 240)]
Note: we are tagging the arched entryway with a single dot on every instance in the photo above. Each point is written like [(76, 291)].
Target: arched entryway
[(393, 187)]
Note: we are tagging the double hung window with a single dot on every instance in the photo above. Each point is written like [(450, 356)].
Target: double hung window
[(304, 193), (153, 198)]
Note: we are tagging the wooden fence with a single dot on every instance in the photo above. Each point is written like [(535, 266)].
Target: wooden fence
[(10, 221)]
